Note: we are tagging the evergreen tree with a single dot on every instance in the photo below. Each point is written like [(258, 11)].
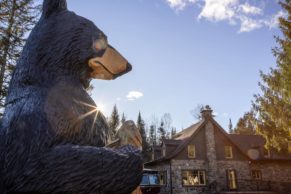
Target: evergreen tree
[(123, 119), (273, 106), (17, 17), (245, 125), (230, 127), (113, 121), (145, 147), (162, 132)]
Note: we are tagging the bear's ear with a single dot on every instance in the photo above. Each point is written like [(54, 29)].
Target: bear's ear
[(51, 6)]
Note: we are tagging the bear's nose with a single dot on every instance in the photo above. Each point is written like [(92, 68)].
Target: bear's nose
[(128, 69)]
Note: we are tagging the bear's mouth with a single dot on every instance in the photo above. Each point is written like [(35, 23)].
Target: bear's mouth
[(110, 66)]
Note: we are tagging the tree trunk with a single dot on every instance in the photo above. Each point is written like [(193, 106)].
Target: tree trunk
[(6, 43)]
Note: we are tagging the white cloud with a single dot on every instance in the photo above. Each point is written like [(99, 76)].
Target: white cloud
[(248, 24), (134, 95), (217, 10), (274, 21), (236, 12), (179, 4), (249, 9)]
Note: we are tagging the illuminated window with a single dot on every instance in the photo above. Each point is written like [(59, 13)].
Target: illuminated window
[(256, 174), (191, 151), (228, 152), (163, 177), (231, 177), (193, 177)]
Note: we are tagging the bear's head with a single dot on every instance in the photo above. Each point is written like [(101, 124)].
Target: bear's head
[(65, 44)]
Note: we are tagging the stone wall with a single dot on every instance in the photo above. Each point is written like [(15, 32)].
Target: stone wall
[(178, 166), (276, 174), (242, 174), (165, 167)]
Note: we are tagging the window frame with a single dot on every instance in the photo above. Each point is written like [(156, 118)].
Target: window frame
[(198, 176), (226, 156), (256, 174), (163, 173), (231, 181), (149, 178), (194, 151)]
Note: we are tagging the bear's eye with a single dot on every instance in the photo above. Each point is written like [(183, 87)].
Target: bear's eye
[(100, 44)]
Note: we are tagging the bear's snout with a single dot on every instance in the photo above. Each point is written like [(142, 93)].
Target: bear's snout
[(109, 66)]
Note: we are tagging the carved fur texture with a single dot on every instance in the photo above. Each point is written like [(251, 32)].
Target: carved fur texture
[(52, 136)]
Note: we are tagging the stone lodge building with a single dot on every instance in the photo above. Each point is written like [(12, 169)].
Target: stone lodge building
[(203, 158)]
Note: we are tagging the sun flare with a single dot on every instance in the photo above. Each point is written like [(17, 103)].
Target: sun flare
[(100, 107)]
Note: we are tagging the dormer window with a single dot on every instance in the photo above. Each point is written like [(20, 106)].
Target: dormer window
[(191, 151), (228, 152)]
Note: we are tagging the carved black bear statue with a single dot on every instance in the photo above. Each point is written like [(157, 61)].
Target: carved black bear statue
[(52, 135)]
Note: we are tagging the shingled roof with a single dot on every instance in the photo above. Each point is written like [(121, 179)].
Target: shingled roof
[(246, 142), (252, 146), (186, 133), (249, 144)]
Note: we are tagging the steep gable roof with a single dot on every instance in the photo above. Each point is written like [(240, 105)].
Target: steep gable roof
[(227, 136), (186, 135), (244, 143), (171, 142), (188, 132), (181, 139), (251, 142)]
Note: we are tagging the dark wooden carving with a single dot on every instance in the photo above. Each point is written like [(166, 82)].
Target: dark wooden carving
[(52, 137)]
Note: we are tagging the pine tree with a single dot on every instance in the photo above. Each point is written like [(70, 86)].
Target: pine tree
[(145, 147), (246, 125), (113, 121), (273, 106), (162, 132), (123, 119), (230, 127), (17, 17)]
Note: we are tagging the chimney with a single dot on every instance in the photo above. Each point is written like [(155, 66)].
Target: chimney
[(206, 112)]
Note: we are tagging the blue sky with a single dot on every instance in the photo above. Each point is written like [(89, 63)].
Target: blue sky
[(184, 53)]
